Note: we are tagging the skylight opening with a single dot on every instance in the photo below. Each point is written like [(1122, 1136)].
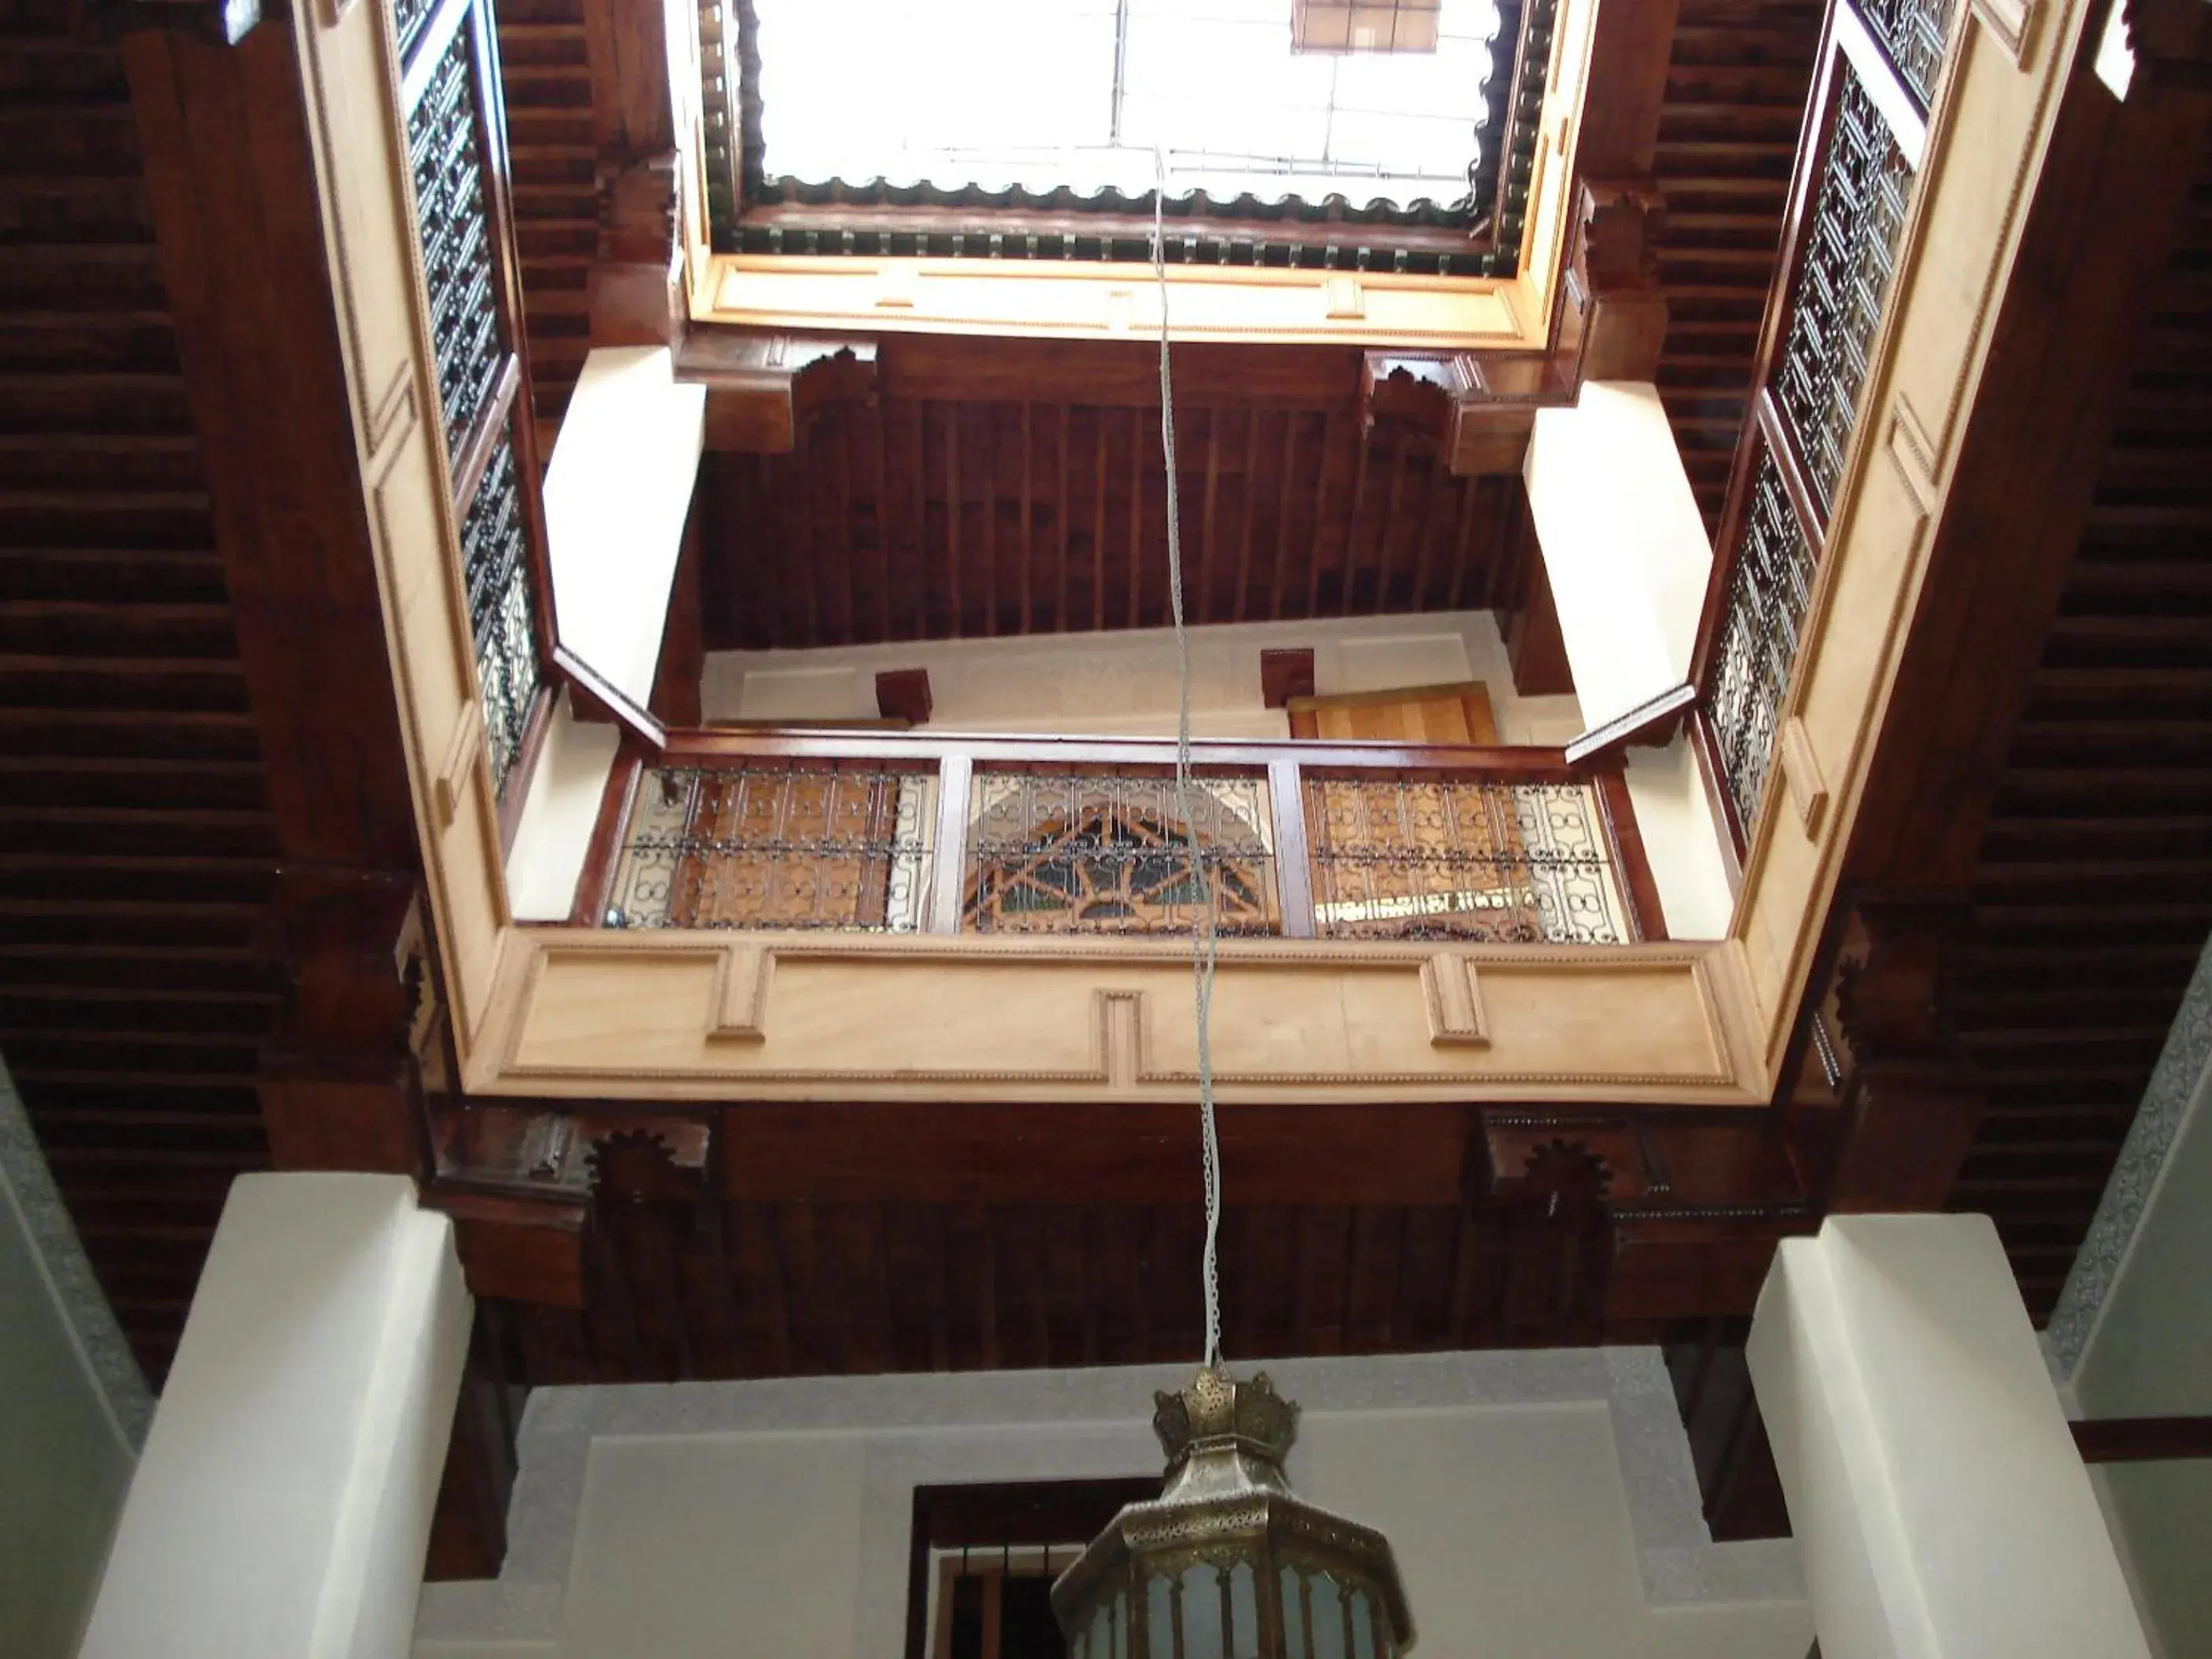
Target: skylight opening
[(1043, 97)]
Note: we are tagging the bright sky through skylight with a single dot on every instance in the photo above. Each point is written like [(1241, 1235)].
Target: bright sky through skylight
[(999, 93)]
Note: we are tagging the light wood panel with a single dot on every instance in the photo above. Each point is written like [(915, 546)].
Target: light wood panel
[(1420, 715), (691, 1015)]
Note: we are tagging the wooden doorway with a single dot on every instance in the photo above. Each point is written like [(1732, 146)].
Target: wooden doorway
[(1459, 713)]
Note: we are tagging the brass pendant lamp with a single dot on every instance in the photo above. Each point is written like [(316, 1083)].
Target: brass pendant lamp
[(1228, 1562)]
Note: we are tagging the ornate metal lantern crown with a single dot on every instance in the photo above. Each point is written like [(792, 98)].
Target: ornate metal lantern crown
[(1228, 1563)]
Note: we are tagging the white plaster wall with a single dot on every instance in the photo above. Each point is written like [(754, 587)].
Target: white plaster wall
[(1943, 1510), (617, 490), (68, 1432), (554, 837), (1681, 840), (1123, 682), (282, 1507), (2139, 1313), (1542, 1504), (1624, 544)]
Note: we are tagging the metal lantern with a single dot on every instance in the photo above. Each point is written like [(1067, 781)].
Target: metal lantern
[(1228, 1563)]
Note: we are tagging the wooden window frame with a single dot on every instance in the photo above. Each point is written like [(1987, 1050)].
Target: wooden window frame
[(1224, 287)]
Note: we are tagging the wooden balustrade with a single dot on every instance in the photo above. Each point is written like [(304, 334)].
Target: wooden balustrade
[(1863, 141), (912, 833)]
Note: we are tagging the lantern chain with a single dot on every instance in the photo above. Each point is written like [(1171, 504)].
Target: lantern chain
[(1203, 934)]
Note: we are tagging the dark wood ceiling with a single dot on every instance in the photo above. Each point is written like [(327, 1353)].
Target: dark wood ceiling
[(924, 515), (553, 158), (1736, 86), (812, 1288), (137, 850), (2094, 894)]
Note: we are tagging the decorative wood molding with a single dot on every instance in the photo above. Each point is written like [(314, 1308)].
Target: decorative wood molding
[(740, 996), (1910, 1097), (1912, 453), (450, 787), (1454, 995), (2013, 25), (1801, 777), (1612, 314), (1080, 1018)]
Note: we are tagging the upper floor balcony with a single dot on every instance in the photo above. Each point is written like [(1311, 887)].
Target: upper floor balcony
[(704, 882)]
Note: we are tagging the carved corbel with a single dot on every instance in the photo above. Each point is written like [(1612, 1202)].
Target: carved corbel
[(342, 1077), (2171, 41), (761, 387), (1909, 1098), (1612, 314), (633, 1168), (1477, 411), (1560, 1241), (635, 292)]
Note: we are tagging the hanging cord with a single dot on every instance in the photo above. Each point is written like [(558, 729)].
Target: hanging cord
[(1202, 938)]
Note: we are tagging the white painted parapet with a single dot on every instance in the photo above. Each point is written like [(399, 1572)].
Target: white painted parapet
[(1939, 1504), (617, 491), (1624, 547), (282, 1507)]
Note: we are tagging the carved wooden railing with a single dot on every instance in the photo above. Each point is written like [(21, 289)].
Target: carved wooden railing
[(895, 834), (1864, 135)]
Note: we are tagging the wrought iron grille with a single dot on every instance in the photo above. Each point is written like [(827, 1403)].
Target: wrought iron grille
[(408, 17), (1415, 857), (1768, 592), (1107, 853), (1851, 247), (1913, 33), (457, 238), (495, 566), (771, 844)]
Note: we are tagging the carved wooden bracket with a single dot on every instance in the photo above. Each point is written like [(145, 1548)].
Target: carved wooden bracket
[(1889, 979), (1910, 1097), (902, 694), (636, 1166), (760, 386), (1613, 314), (1477, 411), (635, 290), (2172, 41), (1617, 233), (1284, 673)]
